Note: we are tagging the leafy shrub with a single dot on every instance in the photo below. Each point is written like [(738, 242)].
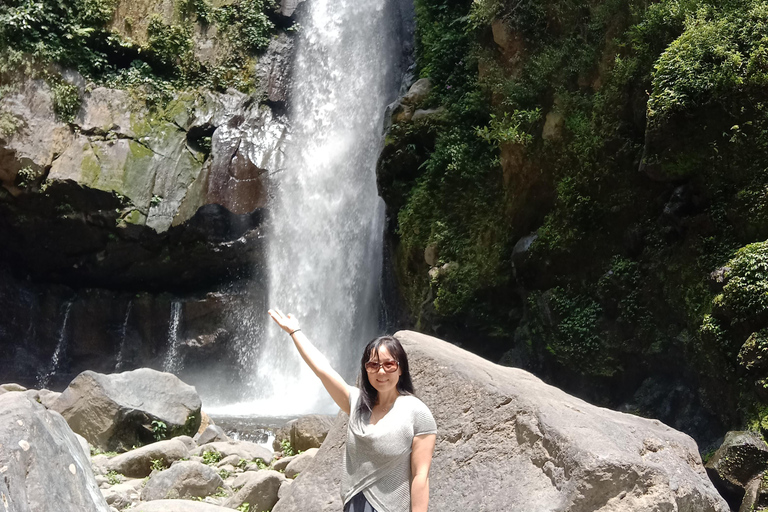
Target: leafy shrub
[(745, 295), (719, 54), (286, 448), (159, 430), (211, 457), (246, 24), (66, 100)]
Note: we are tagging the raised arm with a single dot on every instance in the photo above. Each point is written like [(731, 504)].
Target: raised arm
[(334, 384)]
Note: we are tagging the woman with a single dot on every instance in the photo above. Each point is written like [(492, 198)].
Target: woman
[(390, 433)]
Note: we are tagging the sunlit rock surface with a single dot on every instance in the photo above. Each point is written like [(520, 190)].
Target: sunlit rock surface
[(507, 441)]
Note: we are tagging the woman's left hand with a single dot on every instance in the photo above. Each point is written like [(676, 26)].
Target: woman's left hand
[(288, 323)]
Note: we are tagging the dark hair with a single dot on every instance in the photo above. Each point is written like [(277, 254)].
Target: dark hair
[(368, 393)]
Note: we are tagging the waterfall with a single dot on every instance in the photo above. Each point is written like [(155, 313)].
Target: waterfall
[(171, 363), (324, 238), (123, 335), (61, 345)]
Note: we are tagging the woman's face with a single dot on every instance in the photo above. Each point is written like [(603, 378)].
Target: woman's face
[(381, 380)]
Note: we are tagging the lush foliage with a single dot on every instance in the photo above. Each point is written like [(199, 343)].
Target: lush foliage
[(78, 34), (631, 138)]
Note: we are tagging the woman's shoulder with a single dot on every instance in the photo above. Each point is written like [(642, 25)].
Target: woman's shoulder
[(415, 403)]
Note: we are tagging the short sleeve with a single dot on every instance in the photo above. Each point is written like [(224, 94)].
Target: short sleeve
[(354, 395), (423, 421)]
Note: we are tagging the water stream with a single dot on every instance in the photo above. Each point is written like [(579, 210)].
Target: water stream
[(171, 363), (123, 342), (58, 354), (324, 256)]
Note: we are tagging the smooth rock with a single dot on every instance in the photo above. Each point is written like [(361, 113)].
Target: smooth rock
[(304, 433), (280, 465), (178, 506), (12, 386), (115, 412), (123, 494), (260, 491), (418, 92), (184, 479), (42, 465), (100, 464), (232, 460), (420, 114), (243, 478), (508, 441), (84, 445), (48, 397), (742, 457), (212, 434), (243, 449), (138, 463), (188, 441), (300, 463), (284, 489)]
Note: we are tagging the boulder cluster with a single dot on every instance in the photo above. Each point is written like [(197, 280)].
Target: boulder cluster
[(59, 450), (506, 441)]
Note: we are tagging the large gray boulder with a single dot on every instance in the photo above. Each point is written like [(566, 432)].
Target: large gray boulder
[(304, 433), (186, 479), (508, 441), (115, 412), (138, 463), (42, 465)]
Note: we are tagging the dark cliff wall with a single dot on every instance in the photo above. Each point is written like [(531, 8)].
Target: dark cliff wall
[(136, 142), (577, 175)]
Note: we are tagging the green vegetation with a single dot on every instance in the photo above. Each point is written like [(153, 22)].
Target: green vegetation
[(245, 507), (158, 465), (159, 430), (630, 137), (211, 457), (114, 478), (286, 448), (79, 34)]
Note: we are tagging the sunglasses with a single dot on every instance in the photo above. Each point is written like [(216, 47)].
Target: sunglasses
[(389, 366)]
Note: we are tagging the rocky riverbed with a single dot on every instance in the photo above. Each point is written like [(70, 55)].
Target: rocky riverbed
[(141, 441)]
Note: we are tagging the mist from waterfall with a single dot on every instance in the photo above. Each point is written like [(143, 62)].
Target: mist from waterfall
[(324, 238)]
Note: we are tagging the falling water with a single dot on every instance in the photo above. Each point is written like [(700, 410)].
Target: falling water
[(45, 377), (324, 240), (123, 335), (172, 363)]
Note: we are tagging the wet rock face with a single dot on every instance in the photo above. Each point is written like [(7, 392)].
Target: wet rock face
[(510, 442), (125, 195), (273, 71)]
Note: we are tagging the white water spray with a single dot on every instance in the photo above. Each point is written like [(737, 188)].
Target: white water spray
[(61, 345), (325, 235), (172, 364), (123, 334)]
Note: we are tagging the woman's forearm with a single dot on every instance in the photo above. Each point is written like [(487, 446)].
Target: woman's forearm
[(420, 493), (316, 361)]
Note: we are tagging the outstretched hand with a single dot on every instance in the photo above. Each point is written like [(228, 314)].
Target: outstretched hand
[(288, 323)]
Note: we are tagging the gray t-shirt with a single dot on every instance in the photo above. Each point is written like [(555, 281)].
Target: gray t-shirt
[(377, 459)]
